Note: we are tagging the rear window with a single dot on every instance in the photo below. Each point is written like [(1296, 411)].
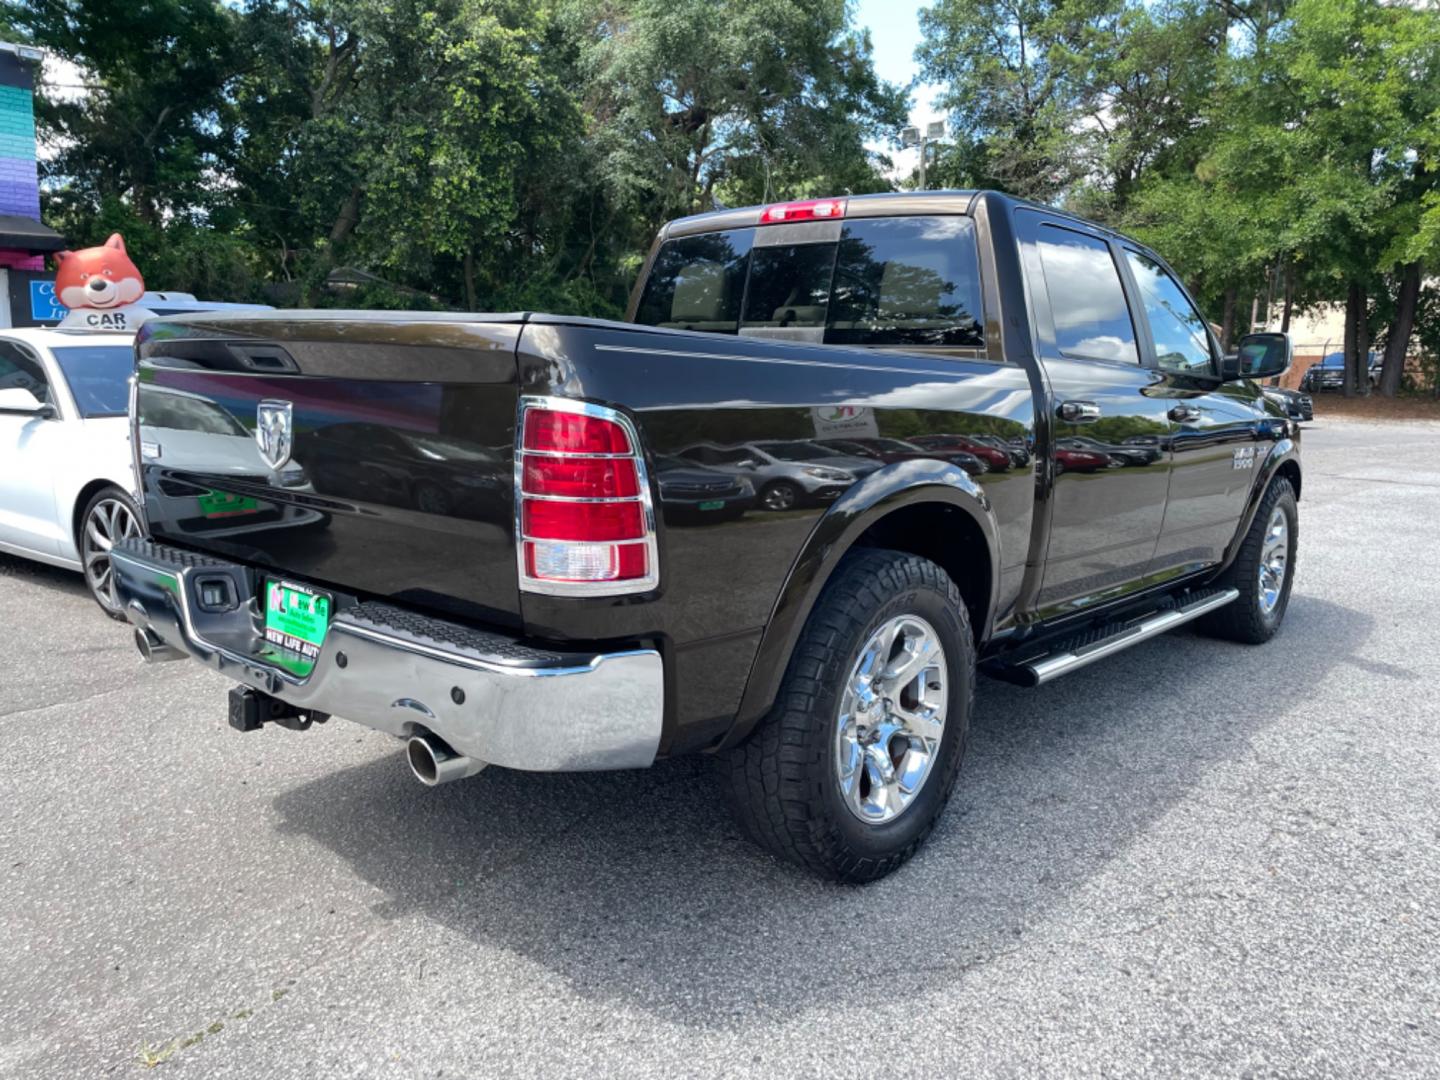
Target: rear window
[(888, 281), (697, 283)]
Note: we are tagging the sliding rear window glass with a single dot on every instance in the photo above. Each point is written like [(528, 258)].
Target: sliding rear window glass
[(888, 281), (697, 283), (789, 288)]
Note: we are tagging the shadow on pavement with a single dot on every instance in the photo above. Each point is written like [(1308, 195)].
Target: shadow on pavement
[(635, 887), (71, 581)]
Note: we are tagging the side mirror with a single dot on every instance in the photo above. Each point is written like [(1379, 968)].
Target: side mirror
[(16, 399), (1260, 356)]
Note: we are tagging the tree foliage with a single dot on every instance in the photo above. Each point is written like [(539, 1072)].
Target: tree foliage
[(472, 153), (1261, 144)]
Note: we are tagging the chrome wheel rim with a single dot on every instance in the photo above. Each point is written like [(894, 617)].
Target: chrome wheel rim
[(892, 719), (1274, 554), (110, 520)]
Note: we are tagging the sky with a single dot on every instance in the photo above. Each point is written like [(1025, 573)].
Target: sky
[(894, 27)]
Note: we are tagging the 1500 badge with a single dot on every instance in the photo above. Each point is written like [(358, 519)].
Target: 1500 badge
[(1244, 458)]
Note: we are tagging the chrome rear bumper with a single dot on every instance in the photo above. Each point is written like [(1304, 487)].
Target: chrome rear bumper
[(490, 697)]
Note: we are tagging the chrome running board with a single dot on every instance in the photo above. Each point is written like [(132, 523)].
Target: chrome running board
[(1076, 652)]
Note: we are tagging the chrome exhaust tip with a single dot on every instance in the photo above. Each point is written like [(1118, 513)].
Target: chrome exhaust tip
[(433, 761), (153, 649)]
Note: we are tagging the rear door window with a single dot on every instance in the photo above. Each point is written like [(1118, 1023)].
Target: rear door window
[(1087, 301), (888, 281)]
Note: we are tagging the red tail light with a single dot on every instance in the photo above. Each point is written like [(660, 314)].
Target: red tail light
[(584, 523), (808, 210)]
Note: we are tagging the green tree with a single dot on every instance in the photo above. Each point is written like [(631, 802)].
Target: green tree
[(689, 101), (1014, 113), (144, 126)]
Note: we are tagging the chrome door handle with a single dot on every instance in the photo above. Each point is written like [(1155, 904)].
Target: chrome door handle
[(1078, 412), (1183, 414)]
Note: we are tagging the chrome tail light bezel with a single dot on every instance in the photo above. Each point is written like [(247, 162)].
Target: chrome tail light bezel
[(619, 587)]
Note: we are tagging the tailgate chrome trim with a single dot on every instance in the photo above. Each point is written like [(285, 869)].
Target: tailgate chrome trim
[(532, 709)]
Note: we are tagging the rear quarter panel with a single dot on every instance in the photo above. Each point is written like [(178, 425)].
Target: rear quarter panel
[(721, 578)]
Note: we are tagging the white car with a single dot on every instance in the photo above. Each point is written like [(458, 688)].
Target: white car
[(67, 488)]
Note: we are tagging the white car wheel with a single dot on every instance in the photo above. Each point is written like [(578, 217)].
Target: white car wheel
[(109, 518)]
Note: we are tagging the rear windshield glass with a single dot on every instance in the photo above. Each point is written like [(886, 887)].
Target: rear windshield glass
[(697, 283), (888, 281)]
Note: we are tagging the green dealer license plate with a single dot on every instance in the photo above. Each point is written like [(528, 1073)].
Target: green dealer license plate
[(296, 617), (718, 504)]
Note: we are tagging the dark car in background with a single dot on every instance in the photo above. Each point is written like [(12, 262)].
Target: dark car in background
[(1297, 404), (1329, 372), (389, 465), (1125, 453), (786, 472)]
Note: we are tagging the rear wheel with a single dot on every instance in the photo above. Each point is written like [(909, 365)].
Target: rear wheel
[(851, 770), (110, 516), (1263, 571)]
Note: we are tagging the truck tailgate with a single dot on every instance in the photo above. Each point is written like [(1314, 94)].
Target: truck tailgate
[(368, 451)]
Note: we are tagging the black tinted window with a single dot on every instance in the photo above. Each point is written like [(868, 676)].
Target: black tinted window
[(888, 281), (697, 283), (1087, 302), (907, 281), (789, 287)]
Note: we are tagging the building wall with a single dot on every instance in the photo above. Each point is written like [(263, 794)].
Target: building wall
[(19, 179)]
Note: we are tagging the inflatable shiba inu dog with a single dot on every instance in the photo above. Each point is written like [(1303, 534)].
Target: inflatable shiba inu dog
[(99, 277)]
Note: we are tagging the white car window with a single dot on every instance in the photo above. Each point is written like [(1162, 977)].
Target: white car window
[(21, 371)]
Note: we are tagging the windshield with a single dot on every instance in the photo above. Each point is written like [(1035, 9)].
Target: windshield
[(98, 376)]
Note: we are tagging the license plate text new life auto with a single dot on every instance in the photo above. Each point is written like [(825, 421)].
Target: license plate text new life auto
[(296, 617)]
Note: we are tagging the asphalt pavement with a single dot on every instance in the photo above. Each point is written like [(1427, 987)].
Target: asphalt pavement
[(1194, 857)]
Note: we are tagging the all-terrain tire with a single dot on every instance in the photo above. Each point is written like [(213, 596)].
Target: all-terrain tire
[(1248, 619), (782, 783)]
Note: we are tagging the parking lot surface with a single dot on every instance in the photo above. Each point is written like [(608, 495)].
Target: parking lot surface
[(1193, 857)]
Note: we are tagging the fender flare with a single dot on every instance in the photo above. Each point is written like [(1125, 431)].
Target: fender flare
[(904, 484), (1285, 450)]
